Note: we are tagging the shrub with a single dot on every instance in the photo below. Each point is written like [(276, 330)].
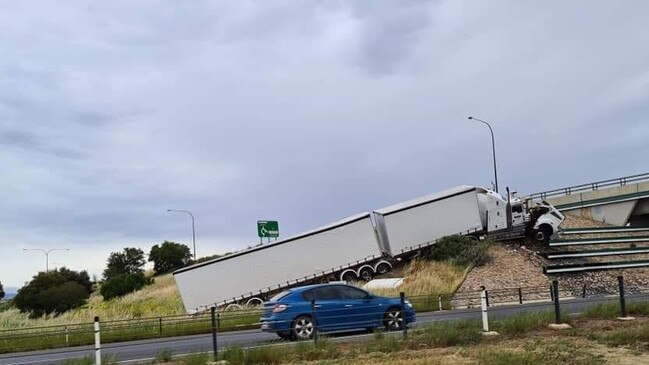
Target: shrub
[(123, 284), (163, 355), (460, 249), (50, 292)]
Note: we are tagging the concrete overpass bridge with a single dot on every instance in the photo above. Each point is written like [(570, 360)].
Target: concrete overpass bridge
[(620, 202)]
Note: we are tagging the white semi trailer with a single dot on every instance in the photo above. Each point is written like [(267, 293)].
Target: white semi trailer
[(360, 246)]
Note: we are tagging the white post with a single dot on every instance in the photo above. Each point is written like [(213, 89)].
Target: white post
[(439, 301), (483, 305), (67, 338), (97, 342)]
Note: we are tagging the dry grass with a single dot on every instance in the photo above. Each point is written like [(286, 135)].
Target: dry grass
[(424, 278), (158, 299)]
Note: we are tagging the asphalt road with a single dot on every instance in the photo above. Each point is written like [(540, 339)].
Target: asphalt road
[(145, 350)]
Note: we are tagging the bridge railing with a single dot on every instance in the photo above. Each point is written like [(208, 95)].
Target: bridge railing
[(620, 181)]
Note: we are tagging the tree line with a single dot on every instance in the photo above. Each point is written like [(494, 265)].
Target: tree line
[(58, 291)]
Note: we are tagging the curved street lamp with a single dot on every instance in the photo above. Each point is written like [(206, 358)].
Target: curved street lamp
[(493, 148), (193, 228), (47, 254)]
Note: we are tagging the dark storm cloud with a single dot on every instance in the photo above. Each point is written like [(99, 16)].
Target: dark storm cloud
[(304, 112)]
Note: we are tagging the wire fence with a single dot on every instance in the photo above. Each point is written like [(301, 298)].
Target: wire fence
[(319, 316)]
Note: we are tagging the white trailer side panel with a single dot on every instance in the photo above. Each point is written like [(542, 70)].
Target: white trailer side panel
[(417, 222), (270, 266)]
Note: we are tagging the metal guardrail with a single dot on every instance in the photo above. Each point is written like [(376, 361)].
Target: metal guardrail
[(598, 230), (621, 181)]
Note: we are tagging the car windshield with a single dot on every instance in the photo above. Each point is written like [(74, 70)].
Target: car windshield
[(279, 296)]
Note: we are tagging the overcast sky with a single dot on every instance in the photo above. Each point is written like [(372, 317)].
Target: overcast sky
[(112, 112)]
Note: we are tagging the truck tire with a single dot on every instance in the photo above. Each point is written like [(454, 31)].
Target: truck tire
[(366, 273), (383, 268), (254, 302), (302, 328), (543, 233), (348, 276)]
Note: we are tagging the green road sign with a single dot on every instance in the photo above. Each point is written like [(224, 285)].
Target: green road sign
[(268, 228)]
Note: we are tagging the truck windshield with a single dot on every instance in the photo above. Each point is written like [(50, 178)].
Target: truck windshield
[(279, 296)]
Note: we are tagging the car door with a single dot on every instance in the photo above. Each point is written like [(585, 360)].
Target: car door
[(360, 310), (328, 308)]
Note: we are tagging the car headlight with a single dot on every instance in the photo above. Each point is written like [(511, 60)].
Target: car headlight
[(278, 308), (408, 304)]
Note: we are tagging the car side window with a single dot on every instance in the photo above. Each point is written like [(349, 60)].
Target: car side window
[(326, 293), (348, 292), (309, 295)]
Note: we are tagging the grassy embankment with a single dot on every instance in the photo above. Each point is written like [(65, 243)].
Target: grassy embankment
[(141, 312), (524, 339)]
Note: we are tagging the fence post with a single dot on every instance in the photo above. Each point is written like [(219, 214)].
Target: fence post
[(483, 306), (520, 296), (439, 301), (555, 295), (551, 293), (486, 295), (160, 324), (402, 297), (97, 342), (67, 338), (214, 334), (583, 291), (315, 321), (620, 281)]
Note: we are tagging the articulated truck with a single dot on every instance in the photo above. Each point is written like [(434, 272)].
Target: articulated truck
[(361, 246)]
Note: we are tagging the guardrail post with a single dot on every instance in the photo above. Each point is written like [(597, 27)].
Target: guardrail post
[(620, 282), (402, 297), (97, 342), (520, 296), (557, 308), (315, 321), (214, 334), (484, 306)]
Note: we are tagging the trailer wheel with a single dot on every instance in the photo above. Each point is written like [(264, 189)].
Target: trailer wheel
[(543, 233), (348, 276), (366, 273), (383, 268), (254, 302), (233, 307)]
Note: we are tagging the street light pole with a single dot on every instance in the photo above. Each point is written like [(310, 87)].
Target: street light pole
[(47, 254), (193, 227), (493, 148)]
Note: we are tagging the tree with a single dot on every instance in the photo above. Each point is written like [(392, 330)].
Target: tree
[(81, 277), (129, 261), (123, 284), (51, 292), (169, 256), (2, 291)]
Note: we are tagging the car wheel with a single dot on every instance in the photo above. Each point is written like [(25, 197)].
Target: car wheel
[(303, 328), (393, 319), (366, 273)]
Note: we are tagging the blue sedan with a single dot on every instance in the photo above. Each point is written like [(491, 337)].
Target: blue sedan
[(337, 307)]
